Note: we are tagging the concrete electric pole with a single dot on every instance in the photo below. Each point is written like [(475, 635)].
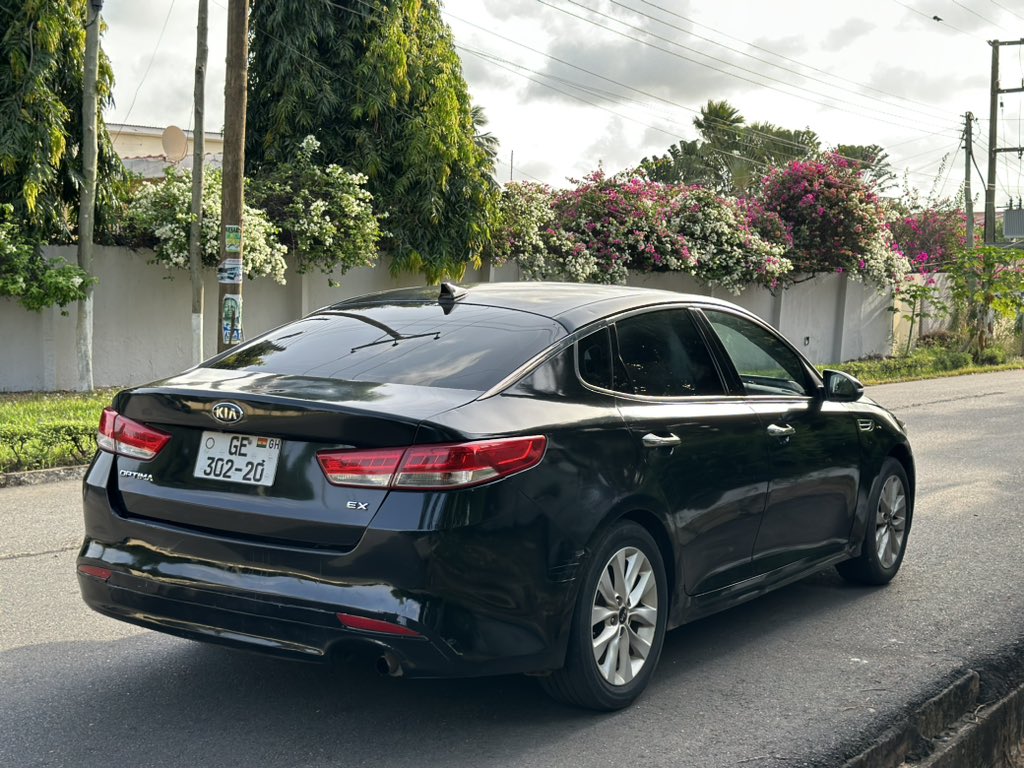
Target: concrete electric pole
[(968, 154), (195, 237), (87, 197), (993, 138), (229, 271)]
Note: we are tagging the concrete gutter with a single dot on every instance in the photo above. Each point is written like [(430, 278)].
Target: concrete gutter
[(977, 720)]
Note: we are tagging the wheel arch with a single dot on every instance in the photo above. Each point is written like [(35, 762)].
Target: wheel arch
[(659, 531), (902, 454)]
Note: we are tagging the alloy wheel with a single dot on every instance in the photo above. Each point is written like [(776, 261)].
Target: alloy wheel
[(891, 521), (624, 616)]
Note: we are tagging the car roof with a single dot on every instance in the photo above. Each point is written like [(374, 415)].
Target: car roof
[(573, 305)]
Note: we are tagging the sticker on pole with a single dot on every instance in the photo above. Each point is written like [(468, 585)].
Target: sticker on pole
[(232, 238), (229, 272), (231, 318)]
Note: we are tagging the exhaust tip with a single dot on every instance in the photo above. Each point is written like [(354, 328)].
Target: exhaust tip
[(389, 665)]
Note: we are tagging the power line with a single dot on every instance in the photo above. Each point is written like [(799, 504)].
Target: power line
[(648, 94), (787, 58), (945, 24), (1000, 5), (971, 10), (148, 67), (722, 61), (932, 114)]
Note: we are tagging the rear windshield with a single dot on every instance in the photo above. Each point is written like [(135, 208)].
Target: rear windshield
[(473, 347)]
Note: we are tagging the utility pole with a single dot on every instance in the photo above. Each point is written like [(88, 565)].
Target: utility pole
[(87, 197), (968, 202), (229, 271), (195, 236), (993, 138)]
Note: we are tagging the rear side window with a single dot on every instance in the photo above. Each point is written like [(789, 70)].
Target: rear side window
[(594, 358), (661, 354), (473, 347)]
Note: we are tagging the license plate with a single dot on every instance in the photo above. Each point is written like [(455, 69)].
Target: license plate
[(247, 459)]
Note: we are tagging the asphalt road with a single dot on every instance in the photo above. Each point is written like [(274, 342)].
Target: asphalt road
[(801, 677)]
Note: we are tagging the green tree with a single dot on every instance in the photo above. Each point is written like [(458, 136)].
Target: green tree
[(381, 86), (731, 156), (42, 55), (874, 163)]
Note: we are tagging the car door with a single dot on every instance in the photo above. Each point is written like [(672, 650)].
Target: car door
[(814, 446), (702, 453)]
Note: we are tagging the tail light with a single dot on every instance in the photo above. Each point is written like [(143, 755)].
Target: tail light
[(121, 435), (433, 467)]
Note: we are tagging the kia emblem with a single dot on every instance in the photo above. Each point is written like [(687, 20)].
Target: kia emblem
[(227, 413)]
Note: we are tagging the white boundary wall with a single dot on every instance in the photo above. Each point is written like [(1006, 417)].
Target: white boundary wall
[(142, 325)]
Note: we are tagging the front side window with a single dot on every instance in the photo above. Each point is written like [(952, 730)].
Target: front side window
[(765, 363), (661, 354)]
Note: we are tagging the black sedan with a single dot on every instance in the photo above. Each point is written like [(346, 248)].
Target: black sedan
[(531, 477)]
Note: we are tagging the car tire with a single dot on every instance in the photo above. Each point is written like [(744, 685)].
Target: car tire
[(885, 537), (609, 663)]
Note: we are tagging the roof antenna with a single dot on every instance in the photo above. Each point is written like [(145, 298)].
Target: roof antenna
[(450, 293)]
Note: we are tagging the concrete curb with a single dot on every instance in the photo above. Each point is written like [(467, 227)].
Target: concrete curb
[(988, 737), (39, 476), (914, 736)]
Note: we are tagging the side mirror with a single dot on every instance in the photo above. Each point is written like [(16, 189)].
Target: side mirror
[(842, 387)]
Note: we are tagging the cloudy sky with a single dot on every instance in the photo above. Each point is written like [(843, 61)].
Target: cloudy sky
[(568, 85)]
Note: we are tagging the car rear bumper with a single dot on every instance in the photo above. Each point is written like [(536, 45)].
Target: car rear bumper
[(286, 601)]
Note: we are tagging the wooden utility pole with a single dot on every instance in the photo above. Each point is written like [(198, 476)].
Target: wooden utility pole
[(968, 202), (229, 272), (195, 236), (87, 196)]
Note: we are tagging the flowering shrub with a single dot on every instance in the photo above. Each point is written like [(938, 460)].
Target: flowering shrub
[(606, 227), (725, 247), (159, 216), (623, 224), (524, 215), (836, 222), (931, 239), (324, 212)]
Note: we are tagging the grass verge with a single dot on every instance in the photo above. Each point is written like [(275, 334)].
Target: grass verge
[(51, 429)]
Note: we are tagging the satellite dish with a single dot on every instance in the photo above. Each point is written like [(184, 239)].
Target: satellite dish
[(174, 143)]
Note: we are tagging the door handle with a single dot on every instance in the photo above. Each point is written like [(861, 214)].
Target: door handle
[(776, 431), (652, 440)]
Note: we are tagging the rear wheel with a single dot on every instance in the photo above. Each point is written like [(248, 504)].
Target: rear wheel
[(619, 624), (885, 539)]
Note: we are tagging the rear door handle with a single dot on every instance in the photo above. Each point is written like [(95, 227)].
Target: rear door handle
[(652, 440), (776, 431)]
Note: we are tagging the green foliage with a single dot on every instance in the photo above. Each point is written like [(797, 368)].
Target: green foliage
[(731, 156), (325, 214), (991, 280), (873, 162), (47, 430), (36, 282), (159, 216), (921, 363), (42, 54), (380, 85)]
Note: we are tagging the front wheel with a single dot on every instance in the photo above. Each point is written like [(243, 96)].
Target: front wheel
[(885, 540), (619, 624)]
